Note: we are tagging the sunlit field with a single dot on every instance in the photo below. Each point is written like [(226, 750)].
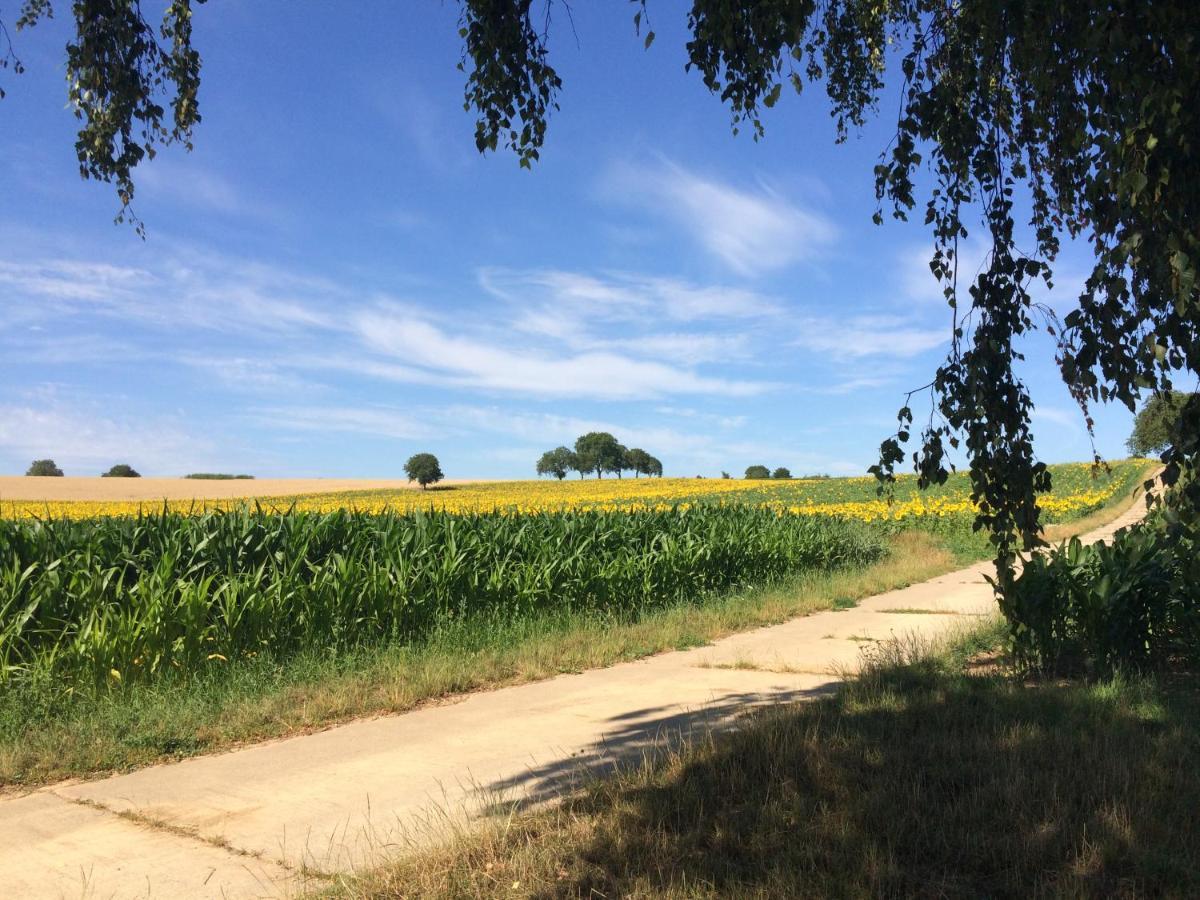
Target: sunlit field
[(127, 628), (1078, 488), (114, 591)]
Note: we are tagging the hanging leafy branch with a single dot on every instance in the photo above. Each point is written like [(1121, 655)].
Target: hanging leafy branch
[(121, 71), (1086, 108)]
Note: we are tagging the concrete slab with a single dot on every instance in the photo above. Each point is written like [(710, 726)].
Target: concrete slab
[(52, 847), (338, 799)]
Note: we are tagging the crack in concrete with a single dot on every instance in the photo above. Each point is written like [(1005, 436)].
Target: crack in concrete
[(192, 834)]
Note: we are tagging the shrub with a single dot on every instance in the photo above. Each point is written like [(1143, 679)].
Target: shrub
[(423, 468), (758, 472), (218, 476), (121, 470), (1133, 603), (44, 467), (781, 472)]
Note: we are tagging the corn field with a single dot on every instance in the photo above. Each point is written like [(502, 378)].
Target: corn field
[(125, 599)]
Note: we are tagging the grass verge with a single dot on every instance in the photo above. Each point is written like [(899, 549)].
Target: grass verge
[(928, 775), (45, 737)]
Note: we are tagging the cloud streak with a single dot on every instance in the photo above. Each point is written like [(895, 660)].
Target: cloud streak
[(751, 231), (858, 337), (470, 361)]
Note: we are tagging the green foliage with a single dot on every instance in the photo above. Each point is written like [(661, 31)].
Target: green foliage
[(725, 475), (130, 598), (758, 472), (558, 462), (120, 71), (1156, 423), (1133, 603), (641, 462), (218, 476), (599, 452), (44, 467), (121, 470), (781, 472), (510, 82), (1085, 108), (423, 468)]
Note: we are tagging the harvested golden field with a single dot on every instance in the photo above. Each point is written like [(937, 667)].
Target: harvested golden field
[(107, 490)]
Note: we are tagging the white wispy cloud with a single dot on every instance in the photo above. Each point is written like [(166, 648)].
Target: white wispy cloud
[(856, 337), (556, 334), (374, 421), (183, 181), (85, 440), (188, 289), (752, 230), (1070, 420), (475, 362), (624, 296)]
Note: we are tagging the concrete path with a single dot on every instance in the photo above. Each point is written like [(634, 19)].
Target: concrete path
[(269, 819)]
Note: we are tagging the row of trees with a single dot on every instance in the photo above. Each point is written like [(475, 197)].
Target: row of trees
[(599, 452), (764, 472), (48, 468)]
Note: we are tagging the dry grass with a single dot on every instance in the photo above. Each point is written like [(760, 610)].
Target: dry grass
[(917, 779)]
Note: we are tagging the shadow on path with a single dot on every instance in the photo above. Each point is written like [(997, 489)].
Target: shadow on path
[(634, 737), (912, 782)]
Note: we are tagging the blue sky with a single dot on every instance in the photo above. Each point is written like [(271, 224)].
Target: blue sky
[(335, 279)]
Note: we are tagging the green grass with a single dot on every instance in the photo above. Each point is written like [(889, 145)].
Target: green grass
[(47, 735), (932, 774)]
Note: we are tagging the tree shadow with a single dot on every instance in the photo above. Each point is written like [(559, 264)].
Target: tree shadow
[(911, 782), (633, 738)]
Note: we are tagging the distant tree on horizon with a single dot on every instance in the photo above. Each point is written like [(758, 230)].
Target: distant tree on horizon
[(781, 472), (754, 472), (423, 468), (44, 468), (121, 470), (558, 462)]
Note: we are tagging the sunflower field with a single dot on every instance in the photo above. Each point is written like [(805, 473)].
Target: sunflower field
[(113, 593)]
